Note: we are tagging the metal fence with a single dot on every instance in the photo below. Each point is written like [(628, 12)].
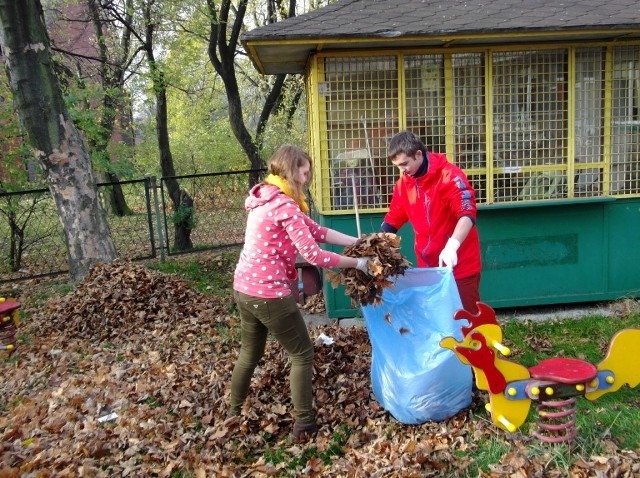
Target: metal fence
[(32, 239), (220, 216)]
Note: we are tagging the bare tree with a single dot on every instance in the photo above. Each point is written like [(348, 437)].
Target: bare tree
[(56, 141), (19, 213), (112, 73), (182, 202), (145, 34), (226, 20)]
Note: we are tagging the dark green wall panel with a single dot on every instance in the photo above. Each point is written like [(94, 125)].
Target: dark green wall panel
[(624, 249), (542, 255)]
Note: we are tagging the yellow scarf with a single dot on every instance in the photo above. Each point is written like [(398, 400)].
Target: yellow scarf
[(284, 186)]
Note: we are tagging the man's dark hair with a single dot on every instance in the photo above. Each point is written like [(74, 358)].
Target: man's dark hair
[(406, 142)]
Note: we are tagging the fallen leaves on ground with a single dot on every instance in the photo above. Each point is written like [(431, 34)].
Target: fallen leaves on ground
[(129, 375), (387, 263), (314, 304)]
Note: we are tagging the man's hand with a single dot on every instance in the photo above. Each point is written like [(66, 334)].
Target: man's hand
[(449, 255)]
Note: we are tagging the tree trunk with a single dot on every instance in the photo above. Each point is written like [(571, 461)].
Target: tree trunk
[(16, 243), (182, 202), (223, 41), (117, 200), (51, 132), (112, 76), (183, 210)]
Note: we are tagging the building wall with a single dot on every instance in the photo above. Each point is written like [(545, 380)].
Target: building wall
[(549, 137)]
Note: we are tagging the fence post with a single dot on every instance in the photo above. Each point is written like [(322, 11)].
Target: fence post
[(152, 181)]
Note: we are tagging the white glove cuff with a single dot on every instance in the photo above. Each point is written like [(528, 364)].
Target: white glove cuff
[(453, 243)]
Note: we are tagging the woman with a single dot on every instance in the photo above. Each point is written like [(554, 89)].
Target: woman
[(278, 229)]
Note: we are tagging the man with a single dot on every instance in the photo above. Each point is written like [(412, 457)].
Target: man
[(436, 197)]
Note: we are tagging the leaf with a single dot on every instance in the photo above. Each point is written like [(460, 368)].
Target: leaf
[(168, 378), (386, 262)]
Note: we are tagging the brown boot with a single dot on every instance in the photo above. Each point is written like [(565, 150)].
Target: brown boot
[(304, 431)]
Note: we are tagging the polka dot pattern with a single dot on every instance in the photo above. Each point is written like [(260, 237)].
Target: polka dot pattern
[(277, 231)]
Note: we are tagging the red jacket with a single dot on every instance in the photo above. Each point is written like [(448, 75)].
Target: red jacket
[(433, 203)]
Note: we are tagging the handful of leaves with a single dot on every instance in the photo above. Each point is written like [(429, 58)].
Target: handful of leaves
[(387, 263)]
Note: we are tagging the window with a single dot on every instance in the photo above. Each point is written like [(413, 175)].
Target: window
[(470, 119), (589, 122), (525, 125), (425, 99), (625, 119), (361, 114), (529, 125)]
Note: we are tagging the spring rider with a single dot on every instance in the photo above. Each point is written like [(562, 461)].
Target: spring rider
[(553, 383), (9, 321)]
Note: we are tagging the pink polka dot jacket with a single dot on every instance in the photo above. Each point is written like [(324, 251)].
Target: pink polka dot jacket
[(276, 232)]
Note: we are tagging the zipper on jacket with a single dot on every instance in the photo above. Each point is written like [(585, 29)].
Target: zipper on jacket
[(427, 204)]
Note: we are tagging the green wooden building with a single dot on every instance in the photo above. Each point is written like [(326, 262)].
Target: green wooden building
[(538, 101)]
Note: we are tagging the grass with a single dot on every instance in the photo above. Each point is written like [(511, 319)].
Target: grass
[(211, 273), (615, 415), (294, 461), (559, 456), (583, 338), (489, 452)]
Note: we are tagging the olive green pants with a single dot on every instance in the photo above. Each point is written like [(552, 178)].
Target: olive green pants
[(282, 318)]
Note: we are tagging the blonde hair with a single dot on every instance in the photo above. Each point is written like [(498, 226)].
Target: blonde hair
[(285, 163)]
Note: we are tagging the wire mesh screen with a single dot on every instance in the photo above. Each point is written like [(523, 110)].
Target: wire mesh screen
[(219, 215), (31, 236), (470, 119), (132, 229), (530, 124), (524, 124), (589, 121), (32, 240), (425, 95), (359, 98), (625, 116)]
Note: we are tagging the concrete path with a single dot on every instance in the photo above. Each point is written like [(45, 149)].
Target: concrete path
[(566, 311)]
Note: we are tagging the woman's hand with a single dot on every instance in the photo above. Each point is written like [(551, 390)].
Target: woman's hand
[(363, 264)]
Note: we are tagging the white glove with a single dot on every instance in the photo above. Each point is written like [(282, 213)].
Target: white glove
[(363, 265), (449, 256)]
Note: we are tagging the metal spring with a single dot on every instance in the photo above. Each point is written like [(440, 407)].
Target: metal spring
[(8, 335), (556, 420)]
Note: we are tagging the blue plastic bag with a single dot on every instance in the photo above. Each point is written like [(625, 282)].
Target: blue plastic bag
[(412, 377)]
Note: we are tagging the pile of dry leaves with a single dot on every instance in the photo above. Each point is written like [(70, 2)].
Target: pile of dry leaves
[(129, 375), (387, 262), (121, 298)]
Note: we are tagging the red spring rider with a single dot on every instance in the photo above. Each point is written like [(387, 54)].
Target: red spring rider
[(9, 321)]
